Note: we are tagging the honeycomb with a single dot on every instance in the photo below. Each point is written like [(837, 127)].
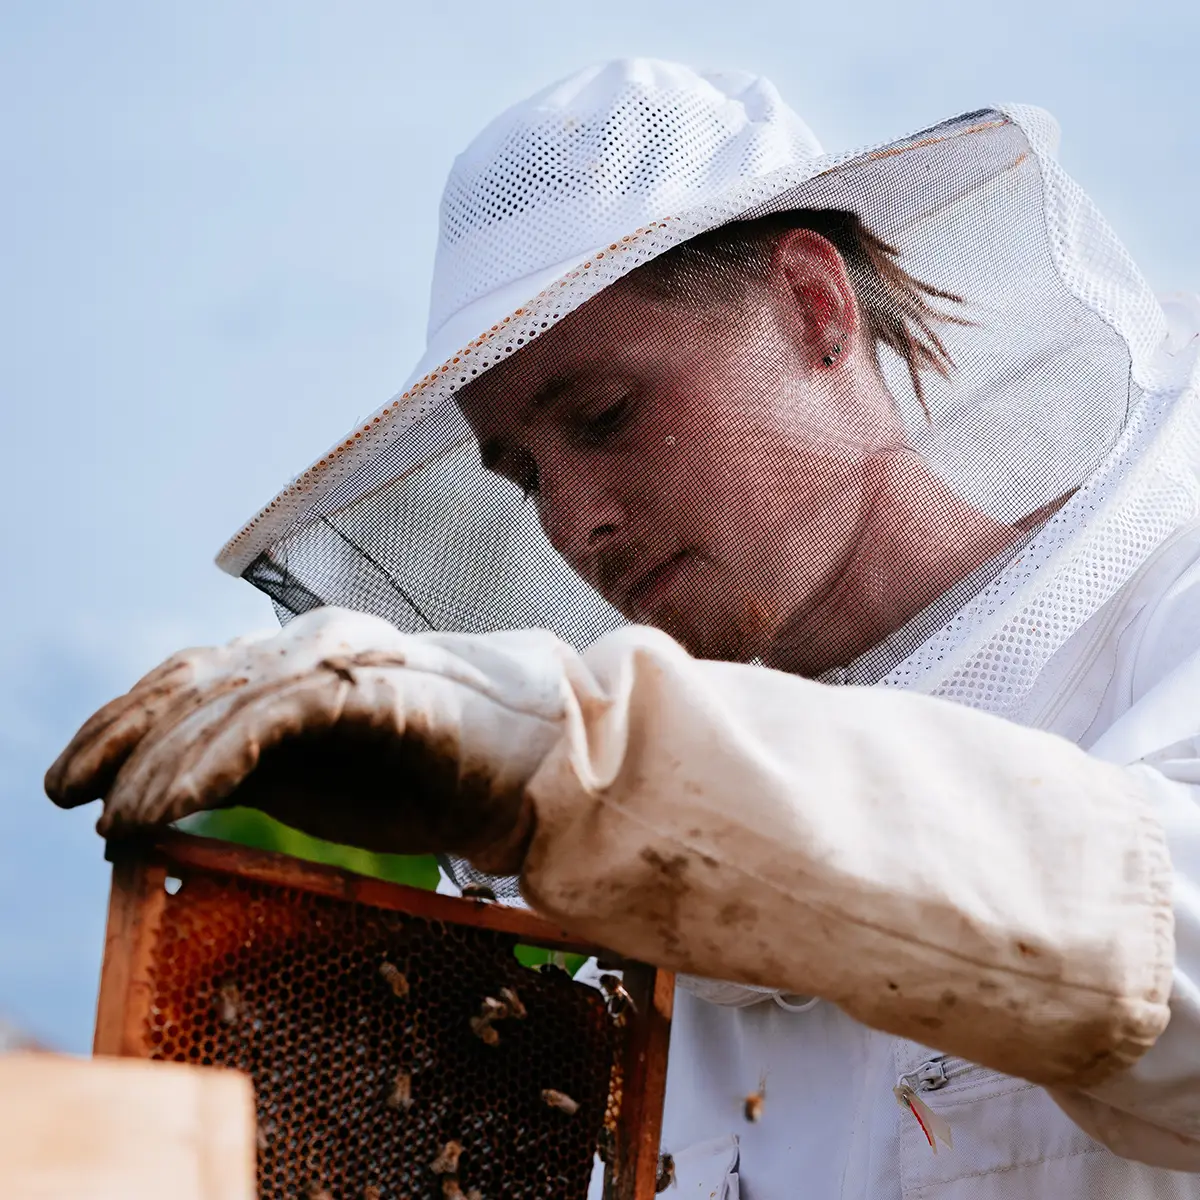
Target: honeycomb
[(365, 1033)]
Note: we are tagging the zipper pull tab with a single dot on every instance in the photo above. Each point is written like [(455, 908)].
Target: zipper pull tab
[(934, 1128)]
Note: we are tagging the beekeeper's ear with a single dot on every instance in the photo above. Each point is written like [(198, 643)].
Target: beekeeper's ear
[(817, 306)]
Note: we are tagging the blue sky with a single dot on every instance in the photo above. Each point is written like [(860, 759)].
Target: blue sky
[(216, 228)]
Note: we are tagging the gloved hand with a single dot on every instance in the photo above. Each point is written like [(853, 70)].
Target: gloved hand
[(341, 726)]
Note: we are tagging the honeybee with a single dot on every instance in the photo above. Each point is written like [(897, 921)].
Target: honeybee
[(478, 891), (752, 1107), (560, 1100), (666, 1173), (396, 978), (492, 1009), (446, 1162), (483, 1029), (401, 1094), (512, 1003), (264, 1135), (228, 1003), (618, 998)]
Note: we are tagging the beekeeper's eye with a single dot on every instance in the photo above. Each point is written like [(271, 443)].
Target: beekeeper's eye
[(612, 417), (600, 411)]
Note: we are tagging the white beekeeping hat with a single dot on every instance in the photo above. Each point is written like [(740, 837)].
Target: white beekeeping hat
[(1027, 361), (585, 164)]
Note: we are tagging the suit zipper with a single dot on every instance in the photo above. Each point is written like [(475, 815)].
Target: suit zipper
[(930, 1076)]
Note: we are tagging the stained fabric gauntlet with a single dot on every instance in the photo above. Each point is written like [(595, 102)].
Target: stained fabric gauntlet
[(936, 872)]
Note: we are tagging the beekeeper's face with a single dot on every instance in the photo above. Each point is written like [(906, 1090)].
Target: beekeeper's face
[(707, 466)]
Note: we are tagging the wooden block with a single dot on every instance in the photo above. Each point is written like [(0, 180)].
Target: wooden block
[(123, 1129)]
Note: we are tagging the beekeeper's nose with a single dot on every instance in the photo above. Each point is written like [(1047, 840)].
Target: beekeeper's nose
[(580, 514)]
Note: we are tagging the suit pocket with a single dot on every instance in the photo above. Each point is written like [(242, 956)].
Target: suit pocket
[(1006, 1134)]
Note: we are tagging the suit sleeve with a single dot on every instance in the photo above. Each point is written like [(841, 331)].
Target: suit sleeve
[(939, 873)]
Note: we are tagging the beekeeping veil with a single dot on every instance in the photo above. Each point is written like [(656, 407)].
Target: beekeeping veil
[(1028, 373)]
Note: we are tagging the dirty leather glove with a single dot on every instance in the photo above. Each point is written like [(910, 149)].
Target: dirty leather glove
[(341, 726)]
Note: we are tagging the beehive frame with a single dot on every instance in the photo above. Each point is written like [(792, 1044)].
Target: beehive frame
[(168, 953)]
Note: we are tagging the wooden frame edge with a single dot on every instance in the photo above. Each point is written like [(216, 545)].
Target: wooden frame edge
[(137, 896), (652, 990), (186, 849)]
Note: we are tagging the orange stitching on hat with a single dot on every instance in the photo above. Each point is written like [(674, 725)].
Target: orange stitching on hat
[(924, 143), (987, 125)]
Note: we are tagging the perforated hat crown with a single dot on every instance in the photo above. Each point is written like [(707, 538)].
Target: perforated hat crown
[(586, 161)]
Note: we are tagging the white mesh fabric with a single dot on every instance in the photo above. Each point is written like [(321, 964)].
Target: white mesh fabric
[(581, 164), (349, 530), (990, 654), (1093, 262), (918, 184)]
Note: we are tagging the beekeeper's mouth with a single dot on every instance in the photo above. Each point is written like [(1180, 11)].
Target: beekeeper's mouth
[(650, 588)]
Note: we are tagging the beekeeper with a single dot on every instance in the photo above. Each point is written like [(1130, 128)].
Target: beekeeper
[(786, 564)]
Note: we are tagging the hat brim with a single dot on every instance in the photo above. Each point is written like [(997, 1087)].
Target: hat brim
[(918, 184)]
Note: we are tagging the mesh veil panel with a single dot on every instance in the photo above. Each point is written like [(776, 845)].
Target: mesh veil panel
[(790, 440)]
